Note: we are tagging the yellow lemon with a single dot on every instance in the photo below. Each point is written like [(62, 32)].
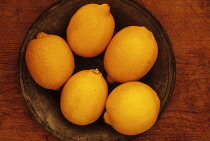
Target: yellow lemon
[(132, 108), (90, 29), (49, 60), (131, 54), (83, 97)]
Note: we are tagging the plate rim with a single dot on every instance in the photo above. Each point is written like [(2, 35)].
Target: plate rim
[(29, 34)]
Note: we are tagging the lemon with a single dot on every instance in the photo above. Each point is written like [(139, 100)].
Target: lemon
[(49, 60), (132, 108), (83, 97), (90, 30), (131, 54)]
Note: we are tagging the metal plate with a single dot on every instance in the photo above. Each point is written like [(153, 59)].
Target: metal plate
[(44, 104)]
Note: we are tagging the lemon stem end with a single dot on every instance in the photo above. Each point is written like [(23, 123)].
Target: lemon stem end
[(96, 71)]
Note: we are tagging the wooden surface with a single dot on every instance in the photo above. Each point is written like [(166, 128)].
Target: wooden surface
[(187, 116)]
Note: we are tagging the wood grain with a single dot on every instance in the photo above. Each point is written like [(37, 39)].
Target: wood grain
[(187, 117)]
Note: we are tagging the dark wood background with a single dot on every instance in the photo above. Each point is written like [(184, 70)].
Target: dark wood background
[(187, 116)]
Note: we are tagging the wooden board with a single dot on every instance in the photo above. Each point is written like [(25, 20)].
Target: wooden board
[(187, 114)]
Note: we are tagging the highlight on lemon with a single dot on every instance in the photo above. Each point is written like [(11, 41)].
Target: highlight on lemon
[(130, 55), (132, 108), (90, 30), (84, 96), (49, 60)]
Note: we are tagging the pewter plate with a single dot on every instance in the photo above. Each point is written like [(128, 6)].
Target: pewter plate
[(44, 103)]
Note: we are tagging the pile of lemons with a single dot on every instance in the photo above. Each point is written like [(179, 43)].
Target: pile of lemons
[(132, 107)]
